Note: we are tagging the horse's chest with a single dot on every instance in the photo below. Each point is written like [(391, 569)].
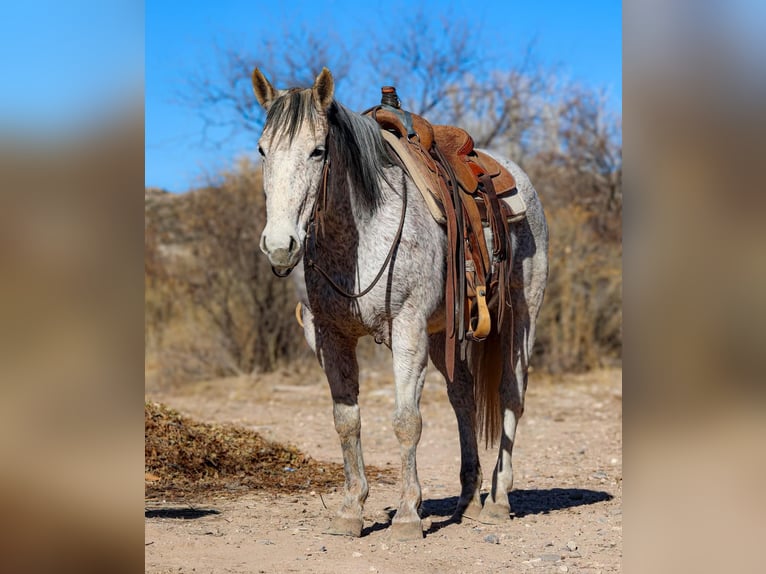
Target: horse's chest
[(368, 315), (396, 275)]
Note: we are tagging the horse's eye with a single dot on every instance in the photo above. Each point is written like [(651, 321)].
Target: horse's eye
[(318, 153), (260, 151)]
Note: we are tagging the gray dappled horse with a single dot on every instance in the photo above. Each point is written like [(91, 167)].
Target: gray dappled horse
[(335, 198)]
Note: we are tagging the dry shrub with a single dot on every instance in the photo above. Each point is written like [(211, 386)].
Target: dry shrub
[(213, 306), (578, 174), (580, 325)]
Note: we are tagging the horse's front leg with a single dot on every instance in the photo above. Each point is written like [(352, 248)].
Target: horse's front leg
[(338, 357), (409, 344)]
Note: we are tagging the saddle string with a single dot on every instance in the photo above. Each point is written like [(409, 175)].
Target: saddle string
[(317, 215)]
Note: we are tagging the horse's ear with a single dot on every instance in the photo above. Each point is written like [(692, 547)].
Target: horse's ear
[(264, 91), (324, 89)]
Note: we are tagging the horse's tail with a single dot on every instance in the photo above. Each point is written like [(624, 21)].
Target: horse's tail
[(487, 369)]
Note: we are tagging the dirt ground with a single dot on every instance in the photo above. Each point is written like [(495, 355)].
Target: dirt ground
[(566, 502)]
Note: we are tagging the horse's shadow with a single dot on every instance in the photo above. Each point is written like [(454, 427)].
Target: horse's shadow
[(523, 503), (185, 513)]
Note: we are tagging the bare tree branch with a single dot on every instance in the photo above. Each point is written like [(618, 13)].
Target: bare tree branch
[(426, 60), (224, 98)]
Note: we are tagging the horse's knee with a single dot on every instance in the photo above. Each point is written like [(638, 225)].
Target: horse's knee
[(347, 420), (408, 425)]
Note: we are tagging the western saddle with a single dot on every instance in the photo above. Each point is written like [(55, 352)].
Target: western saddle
[(466, 190)]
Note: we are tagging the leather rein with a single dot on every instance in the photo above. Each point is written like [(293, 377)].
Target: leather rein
[(316, 217)]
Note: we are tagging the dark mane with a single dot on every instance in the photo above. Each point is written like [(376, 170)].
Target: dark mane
[(355, 149)]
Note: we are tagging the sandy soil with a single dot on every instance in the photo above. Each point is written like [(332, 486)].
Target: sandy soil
[(566, 503)]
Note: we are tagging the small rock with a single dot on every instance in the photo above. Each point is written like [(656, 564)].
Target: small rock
[(492, 539), (549, 544), (563, 568), (357, 554), (550, 557), (323, 548), (571, 546)]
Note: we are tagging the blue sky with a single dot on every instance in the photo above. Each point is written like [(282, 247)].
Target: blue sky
[(584, 39), (68, 62)]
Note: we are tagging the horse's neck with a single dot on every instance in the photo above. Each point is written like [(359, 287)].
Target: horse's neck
[(345, 209), (346, 223)]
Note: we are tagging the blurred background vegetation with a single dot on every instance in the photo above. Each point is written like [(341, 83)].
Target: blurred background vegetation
[(213, 307)]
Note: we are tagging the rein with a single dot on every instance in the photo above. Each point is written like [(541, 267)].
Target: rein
[(317, 216)]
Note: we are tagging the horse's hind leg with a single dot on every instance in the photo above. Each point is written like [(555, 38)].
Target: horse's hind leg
[(460, 392), (512, 389), (338, 358), (409, 344)]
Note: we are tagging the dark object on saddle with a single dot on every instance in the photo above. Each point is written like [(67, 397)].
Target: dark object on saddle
[(466, 190)]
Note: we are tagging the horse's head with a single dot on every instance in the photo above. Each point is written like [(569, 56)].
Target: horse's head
[(293, 148)]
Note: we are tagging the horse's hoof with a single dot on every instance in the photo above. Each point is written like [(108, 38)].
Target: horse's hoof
[(470, 510), (344, 526), (494, 513), (473, 510), (404, 531)]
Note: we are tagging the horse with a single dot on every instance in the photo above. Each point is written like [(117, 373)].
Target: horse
[(374, 263)]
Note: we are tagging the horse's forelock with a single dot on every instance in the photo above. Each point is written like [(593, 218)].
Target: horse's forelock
[(289, 112)]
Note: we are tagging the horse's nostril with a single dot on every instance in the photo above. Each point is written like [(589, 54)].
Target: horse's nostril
[(293, 245)]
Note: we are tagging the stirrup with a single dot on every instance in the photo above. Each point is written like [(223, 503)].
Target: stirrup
[(483, 322)]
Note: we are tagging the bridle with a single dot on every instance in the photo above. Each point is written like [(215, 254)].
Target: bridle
[(317, 220)]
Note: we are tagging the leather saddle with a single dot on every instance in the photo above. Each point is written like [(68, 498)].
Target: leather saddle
[(467, 191)]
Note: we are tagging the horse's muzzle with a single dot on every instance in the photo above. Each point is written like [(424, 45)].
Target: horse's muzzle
[(282, 271), (283, 261), (283, 256)]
